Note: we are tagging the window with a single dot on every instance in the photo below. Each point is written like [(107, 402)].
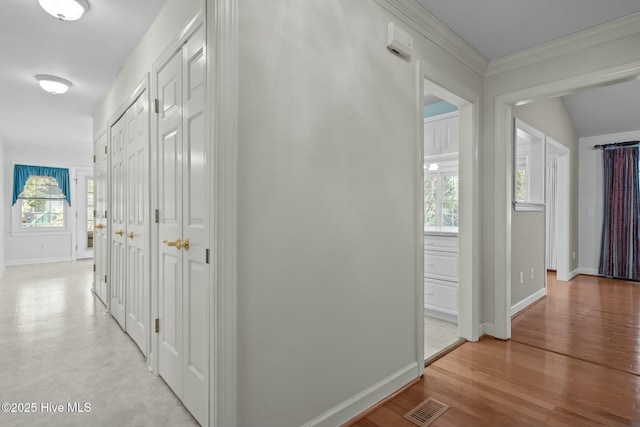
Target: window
[(41, 204), (529, 169), (441, 205)]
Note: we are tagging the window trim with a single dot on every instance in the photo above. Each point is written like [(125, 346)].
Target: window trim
[(18, 230), (444, 171)]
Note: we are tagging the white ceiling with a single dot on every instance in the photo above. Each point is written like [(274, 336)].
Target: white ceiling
[(88, 52), (497, 28), (500, 27)]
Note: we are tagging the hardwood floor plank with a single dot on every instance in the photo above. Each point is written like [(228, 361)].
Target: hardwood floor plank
[(574, 360)]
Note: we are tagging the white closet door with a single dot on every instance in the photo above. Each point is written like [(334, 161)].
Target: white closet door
[(118, 227), (100, 235), (137, 213), (183, 159), (195, 193), (170, 222)]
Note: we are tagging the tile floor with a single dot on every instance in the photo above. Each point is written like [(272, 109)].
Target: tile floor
[(438, 334), (58, 345)]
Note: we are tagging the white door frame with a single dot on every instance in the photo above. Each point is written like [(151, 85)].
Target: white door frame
[(503, 178), (467, 101), (81, 249), (563, 220)]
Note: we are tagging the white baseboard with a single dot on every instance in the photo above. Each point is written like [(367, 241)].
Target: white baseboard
[(37, 261), (364, 400), (589, 271), (487, 329), (574, 273), (516, 308)]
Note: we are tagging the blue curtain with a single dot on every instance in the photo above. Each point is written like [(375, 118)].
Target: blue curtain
[(620, 244), (22, 172)]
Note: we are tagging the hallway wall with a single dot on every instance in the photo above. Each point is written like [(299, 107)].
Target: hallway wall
[(4, 201), (327, 221), (550, 117), (36, 247)]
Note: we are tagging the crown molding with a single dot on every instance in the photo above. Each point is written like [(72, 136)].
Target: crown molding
[(418, 18), (603, 33)]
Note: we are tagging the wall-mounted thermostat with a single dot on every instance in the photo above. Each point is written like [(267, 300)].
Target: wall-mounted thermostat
[(399, 41)]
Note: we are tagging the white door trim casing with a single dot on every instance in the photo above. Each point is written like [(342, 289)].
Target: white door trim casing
[(467, 101), (563, 250), (503, 172), (82, 251), (222, 102)]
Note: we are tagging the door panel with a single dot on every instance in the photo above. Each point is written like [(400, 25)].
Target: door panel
[(100, 223), (170, 223), (137, 212), (118, 226), (195, 193)]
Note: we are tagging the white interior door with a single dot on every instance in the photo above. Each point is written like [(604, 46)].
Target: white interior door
[(84, 211), (118, 224), (183, 229), (137, 214), (195, 230), (100, 236), (170, 223)]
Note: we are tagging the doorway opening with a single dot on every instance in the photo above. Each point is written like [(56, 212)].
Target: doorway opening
[(441, 224), (447, 300), (557, 209), (85, 222)]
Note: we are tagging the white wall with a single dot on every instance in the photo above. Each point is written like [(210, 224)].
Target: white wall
[(591, 196), (551, 118), (172, 18), (327, 206), (4, 201), (36, 247)]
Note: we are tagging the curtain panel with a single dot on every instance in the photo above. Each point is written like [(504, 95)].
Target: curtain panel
[(620, 240), (22, 172)]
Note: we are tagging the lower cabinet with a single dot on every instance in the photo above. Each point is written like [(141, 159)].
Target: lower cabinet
[(441, 277)]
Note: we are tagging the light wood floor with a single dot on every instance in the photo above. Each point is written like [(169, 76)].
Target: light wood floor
[(573, 360)]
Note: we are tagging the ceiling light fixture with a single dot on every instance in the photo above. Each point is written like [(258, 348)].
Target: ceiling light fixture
[(52, 84), (65, 10)]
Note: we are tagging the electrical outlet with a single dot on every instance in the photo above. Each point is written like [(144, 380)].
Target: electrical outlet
[(521, 277), (532, 275)]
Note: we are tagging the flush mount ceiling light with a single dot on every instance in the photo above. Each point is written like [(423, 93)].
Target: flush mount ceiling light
[(52, 84), (65, 10)]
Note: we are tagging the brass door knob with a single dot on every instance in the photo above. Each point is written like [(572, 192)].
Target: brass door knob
[(170, 243), (119, 232), (130, 235), (183, 245), (99, 226)]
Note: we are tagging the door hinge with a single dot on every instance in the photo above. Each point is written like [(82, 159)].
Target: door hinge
[(157, 216), (105, 149), (156, 105), (94, 158), (95, 213), (105, 214), (157, 326), (105, 278), (76, 214), (76, 247), (94, 267), (206, 255)]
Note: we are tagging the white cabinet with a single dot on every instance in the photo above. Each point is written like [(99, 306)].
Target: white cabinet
[(441, 134), (441, 276)]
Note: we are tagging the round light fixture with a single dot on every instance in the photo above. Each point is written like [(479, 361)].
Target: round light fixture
[(65, 10), (52, 84)]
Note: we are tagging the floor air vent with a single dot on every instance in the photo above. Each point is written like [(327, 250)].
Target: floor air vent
[(426, 412)]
